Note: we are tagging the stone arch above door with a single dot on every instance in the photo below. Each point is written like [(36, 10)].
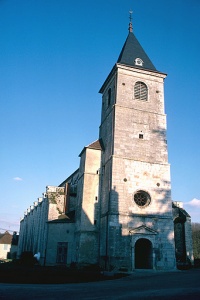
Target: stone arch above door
[(143, 254), (143, 237)]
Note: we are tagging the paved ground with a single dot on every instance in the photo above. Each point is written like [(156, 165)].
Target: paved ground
[(149, 285)]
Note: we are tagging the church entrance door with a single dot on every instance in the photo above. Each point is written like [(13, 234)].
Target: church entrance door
[(143, 254)]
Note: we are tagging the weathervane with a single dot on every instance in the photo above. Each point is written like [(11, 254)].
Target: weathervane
[(130, 24)]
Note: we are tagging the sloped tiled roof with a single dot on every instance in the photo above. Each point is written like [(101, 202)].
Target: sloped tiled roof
[(132, 50), (5, 238), (97, 145)]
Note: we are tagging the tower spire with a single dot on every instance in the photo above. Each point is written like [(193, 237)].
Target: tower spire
[(130, 23)]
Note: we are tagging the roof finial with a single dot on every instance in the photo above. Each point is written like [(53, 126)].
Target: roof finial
[(130, 23)]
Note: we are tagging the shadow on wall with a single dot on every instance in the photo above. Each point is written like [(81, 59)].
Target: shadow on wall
[(131, 240)]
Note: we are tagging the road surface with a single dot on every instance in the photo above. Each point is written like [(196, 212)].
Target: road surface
[(148, 284)]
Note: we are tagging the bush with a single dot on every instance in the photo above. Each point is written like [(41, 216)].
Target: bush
[(27, 258)]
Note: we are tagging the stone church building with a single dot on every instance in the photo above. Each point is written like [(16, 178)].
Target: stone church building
[(116, 209)]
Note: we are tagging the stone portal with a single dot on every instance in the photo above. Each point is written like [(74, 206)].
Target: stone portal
[(143, 254)]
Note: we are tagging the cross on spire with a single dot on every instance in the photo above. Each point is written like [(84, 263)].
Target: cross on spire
[(130, 23)]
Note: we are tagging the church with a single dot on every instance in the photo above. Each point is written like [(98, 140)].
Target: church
[(116, 210)]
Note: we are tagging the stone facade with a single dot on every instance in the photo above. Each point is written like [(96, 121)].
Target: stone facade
[(34, 227), (134, 164), (116, 209), (60, 242), (86, 229)]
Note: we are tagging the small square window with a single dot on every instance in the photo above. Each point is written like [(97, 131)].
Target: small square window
[(141, 136), (6, 246)]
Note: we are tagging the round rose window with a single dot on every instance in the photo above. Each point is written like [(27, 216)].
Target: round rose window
[(142, 198)]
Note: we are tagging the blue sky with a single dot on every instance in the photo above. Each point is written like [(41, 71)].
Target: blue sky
[(54, 57)]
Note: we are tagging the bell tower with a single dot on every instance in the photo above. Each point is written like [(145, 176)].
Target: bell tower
[(137, 230)]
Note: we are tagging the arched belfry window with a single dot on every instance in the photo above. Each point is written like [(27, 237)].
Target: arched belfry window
[(140, 91)]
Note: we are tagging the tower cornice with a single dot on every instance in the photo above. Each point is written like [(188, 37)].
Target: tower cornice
[(130, 68), (144, 71)]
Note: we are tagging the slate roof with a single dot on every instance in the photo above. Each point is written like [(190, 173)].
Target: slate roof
[(67, 179), (179, 214), (132, 50), (184, 212)]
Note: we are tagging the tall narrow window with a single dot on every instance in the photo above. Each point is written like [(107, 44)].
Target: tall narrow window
[(109, 96), (141, 91), (61, 253)]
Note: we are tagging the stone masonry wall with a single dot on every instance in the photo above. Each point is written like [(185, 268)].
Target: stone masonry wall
[(34, 227), (135, 164), (87, 225)]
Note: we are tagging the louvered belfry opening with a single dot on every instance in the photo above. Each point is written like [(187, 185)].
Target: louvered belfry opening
[(140, 91)]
